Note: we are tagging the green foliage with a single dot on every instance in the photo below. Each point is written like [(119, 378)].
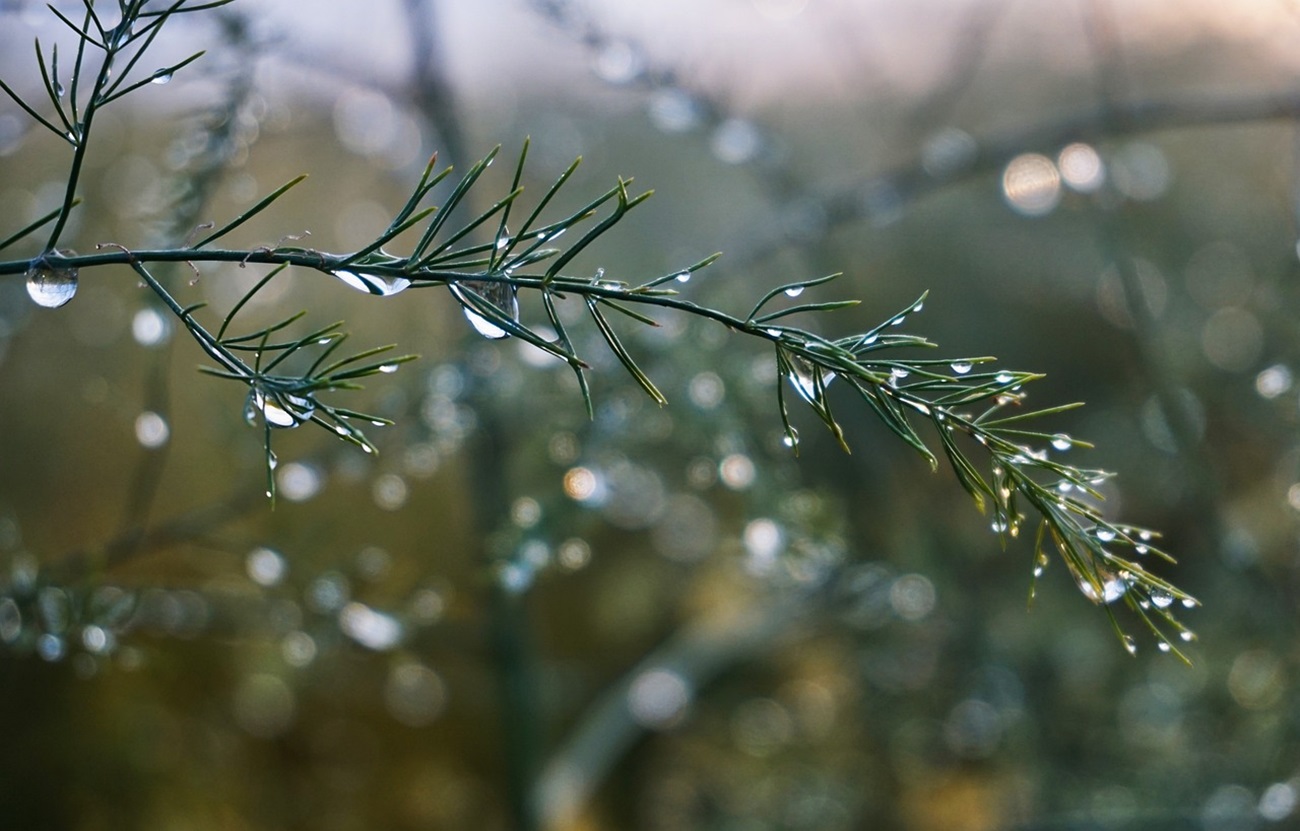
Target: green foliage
[(968, 409)]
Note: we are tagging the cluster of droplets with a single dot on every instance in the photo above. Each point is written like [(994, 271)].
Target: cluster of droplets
[(57, 623)]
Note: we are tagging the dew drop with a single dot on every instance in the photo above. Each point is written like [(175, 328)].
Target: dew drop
[(284, 410), (1105, 534), (684, 277), (161, 77), (961, 367), (1190, 603), (1062, 442), (1162, 599), (898, 321), (804, 377), (794, 291), (1187, 635), (58, 88), (1004, 377), (1130, 645), (51, 287), (499, 295), (372, 284), (999, 525), (388, 369), (1163, 647)]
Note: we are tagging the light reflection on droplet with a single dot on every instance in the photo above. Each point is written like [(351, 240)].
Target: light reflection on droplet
[(389, 491), (707, 391), (266, 567), (1278, 801), (50, 647), (372, 629), (1273, 381), (657, 698), (573, 554), (1032, 184), (1081, 168), (328, 592), (427, 606), (51, 287), (581, 484), (151, 430), (298, 649), (912, 597), (617, 62), (673, 110), (736, 141), (150, 328), (737, 471), (763, 541), (298, 482)]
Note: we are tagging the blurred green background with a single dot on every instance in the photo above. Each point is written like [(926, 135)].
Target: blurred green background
[(659, 618)]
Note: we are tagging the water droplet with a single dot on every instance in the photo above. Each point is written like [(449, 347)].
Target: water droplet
[(1190, 603), (899, 373), (372, 283), (279, 409), (804, 377), (499, 295), (1187, 635), (51, 287), (1141, 549), (1062, 442), (794, 291), (920, 304), (684, 277), (1144, 535), (1064, 486), (790, 439), (1004, 377), (1038, 571), (503, 240), (1130, 645), (161, 77), (898, 321), (388, 369), (58, 88), (1162, 599), (1163, 646), (1105, 534), (999, 525), (961, 367)]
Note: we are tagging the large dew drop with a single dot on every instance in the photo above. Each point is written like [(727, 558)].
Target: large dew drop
[(372, 284), (282, 410), (51, 287), (499, 295)]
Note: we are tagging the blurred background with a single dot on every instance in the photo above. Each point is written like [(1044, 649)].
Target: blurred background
[(516, 617)]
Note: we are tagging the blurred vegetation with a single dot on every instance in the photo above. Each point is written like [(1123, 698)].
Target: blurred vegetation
[(656, 618)]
